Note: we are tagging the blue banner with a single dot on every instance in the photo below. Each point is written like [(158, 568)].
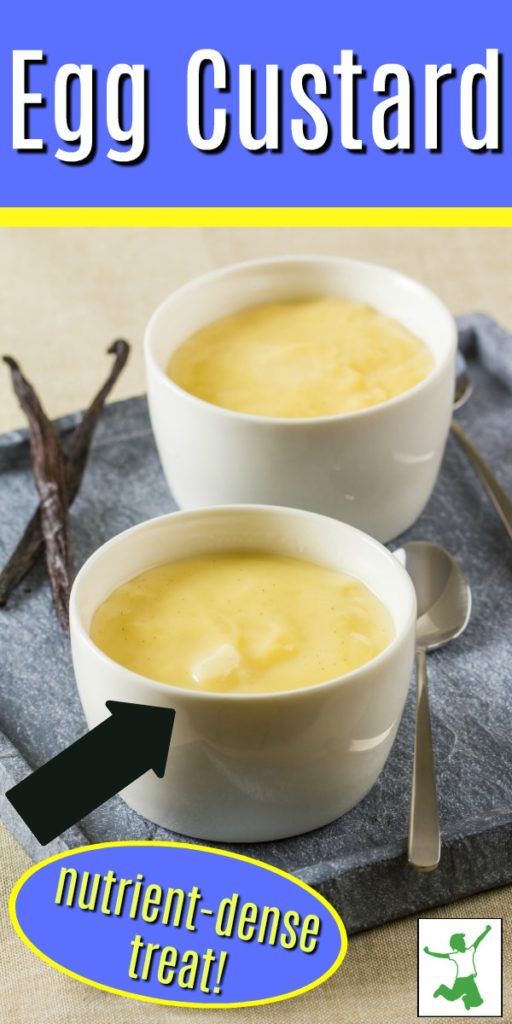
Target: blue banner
[(169, 105)]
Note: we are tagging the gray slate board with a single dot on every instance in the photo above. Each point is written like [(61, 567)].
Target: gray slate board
[(359, 861)]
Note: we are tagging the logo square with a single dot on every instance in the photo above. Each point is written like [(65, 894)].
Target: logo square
[(460, 967)]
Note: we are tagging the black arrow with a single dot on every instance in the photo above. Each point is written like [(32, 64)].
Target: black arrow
[(132, 740)]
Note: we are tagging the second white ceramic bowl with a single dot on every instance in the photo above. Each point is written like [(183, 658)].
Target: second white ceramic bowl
[(247, 768), (374, 468)]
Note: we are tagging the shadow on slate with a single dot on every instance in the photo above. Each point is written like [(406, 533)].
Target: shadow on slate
[(359, 861)]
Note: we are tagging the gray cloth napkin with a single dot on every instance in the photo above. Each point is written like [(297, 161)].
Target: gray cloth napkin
[(484, 339)]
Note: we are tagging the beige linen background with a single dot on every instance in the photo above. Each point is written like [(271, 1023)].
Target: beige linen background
[(64, 295)]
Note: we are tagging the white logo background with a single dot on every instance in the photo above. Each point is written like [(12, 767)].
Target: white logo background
[(432, 971)]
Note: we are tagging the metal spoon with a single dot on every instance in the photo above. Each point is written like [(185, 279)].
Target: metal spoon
[(499, 498), (444, 607)]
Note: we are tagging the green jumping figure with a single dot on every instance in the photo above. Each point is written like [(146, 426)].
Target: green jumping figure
[(463, 957)]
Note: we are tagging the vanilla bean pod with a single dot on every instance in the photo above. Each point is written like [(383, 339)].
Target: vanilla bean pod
[(50, 478), (31, 542)]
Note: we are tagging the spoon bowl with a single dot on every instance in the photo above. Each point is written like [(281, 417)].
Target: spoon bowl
[(463, 383), (499, 497), (442, 592)]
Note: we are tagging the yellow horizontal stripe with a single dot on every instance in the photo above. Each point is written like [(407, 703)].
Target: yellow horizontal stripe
[(252, 216)]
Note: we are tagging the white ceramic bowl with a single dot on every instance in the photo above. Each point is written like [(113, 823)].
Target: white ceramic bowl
[(374, 468), (245, 768)]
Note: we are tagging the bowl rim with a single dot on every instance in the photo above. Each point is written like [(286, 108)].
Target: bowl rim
[(437, 370), (77, 625)]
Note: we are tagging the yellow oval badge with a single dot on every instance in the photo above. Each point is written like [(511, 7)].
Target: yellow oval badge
[(178, 923)]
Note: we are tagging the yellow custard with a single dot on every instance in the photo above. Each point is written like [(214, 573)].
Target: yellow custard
[(242, 623), (318, 357)]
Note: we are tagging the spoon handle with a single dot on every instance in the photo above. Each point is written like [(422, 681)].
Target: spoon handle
[(498, 496), (424, 847)]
